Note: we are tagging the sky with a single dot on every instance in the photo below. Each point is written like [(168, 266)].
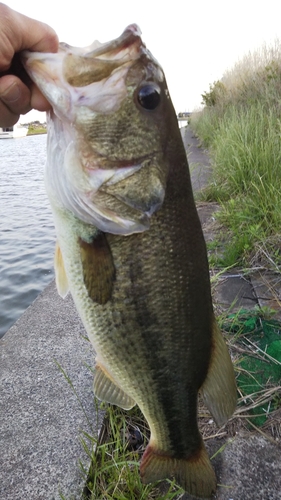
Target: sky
[(195, 42)]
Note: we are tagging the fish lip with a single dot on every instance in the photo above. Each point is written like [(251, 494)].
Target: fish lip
[(130, 36)]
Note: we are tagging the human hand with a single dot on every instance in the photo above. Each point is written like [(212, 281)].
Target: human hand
[(18, 94)]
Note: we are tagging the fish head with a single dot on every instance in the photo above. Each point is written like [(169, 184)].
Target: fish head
[(108, 130)]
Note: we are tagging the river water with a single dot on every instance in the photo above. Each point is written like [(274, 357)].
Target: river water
[(27, 235)]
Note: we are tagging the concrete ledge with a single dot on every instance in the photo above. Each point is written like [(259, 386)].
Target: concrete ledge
[(249, 469), (40, 417)]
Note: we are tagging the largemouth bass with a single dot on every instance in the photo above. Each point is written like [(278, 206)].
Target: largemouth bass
[(131, 248)]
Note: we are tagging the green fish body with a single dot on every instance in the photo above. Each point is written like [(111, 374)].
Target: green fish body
[(131, 248)]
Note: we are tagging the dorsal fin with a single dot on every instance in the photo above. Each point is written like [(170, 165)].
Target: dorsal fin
[(61, 278), (98, 268)]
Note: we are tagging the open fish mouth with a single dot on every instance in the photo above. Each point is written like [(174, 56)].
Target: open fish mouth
[(105, 160), (101, 59), (92, 76)]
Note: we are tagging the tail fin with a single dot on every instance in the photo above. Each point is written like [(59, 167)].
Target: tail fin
[(195, 474)]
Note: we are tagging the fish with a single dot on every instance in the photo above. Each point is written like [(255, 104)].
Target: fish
[(131, 250)]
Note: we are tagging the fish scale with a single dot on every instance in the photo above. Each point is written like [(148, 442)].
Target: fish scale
[(131, 249), (156, 324)]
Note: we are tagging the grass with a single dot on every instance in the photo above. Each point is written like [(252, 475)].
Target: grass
[(114, 472), (241, 125), (36, 130), (115, 455)]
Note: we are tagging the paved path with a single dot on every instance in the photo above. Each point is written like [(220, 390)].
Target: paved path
[(199, 163), (41, 418)]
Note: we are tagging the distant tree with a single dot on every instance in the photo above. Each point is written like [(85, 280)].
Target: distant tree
[(217, 89)]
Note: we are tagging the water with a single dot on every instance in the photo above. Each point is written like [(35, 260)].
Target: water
[(27, 235)]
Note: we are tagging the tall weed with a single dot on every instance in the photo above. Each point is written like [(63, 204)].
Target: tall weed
[(243, 131), (205, 125)]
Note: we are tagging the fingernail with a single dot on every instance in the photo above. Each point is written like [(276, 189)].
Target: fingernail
[(11, 94)]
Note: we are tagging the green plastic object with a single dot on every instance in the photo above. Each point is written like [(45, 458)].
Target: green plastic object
[(264, 371)]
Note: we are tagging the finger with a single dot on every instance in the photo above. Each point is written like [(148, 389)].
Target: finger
[(7, 118), (19, 32), (15, 95), (38, 101), (37, 36)]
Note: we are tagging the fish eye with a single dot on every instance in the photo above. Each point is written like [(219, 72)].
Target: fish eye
[(149, 96)]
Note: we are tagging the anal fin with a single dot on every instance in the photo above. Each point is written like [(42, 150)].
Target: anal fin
[(61, 278), (219, 389), (98, 268), (106, 389)]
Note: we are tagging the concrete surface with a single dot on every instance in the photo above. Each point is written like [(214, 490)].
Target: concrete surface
[(249, 469), (41, 419), (267, 287), (234, 291), (199, 163)]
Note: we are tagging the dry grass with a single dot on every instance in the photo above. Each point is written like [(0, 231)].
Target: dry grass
[(267, 254), (251, 74)]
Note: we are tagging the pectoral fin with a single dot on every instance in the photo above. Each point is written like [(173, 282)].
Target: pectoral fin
[(98, 268), (219, 389), (106, 389), (61, 278)]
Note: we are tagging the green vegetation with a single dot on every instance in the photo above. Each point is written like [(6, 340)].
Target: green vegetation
[(241, 124), (36, 127)]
